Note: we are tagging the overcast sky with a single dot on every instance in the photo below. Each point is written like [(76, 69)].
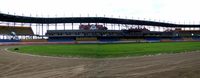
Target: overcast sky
[(164, 10)]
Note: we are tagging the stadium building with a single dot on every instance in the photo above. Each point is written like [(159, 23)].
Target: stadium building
[(15, 28)]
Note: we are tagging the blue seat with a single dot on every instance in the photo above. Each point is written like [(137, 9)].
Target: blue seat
[(60, 39), (7, 40)]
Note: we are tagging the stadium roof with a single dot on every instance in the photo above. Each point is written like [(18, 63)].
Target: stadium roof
[(26, 19)]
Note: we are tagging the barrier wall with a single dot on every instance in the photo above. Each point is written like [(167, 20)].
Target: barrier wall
[(166, 40), (87, 39), (188, 39), (104, 40), (35, 40), (6, 40)]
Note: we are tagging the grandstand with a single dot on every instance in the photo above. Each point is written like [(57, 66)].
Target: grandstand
[(12, 33), (6, 30), (138, 35)]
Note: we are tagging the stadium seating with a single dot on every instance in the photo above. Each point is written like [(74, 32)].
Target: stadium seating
[(177, 38), (196, 38), (124, 39), (152, 39), (108, 39), (8, 40), (60, 39), (6, 30)]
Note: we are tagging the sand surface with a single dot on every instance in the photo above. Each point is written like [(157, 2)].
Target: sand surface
[(181, 65)]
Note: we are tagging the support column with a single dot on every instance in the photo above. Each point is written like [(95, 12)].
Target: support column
[(114, 26), (72, 26), (56, 26), (33, 32), (39, 29), (47, 26), (42, 31), (154, 28), (64, 26), (119, 26)]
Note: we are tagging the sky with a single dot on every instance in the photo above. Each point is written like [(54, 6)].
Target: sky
[(171, 11)]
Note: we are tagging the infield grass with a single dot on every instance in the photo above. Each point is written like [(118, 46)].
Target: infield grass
[(109, 50)]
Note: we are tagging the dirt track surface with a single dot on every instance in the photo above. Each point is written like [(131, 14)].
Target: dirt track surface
[(182, 65)]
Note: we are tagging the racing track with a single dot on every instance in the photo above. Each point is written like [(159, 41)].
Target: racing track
[(182, 65)]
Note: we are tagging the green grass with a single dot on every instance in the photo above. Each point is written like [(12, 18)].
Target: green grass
[(109, 50)]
